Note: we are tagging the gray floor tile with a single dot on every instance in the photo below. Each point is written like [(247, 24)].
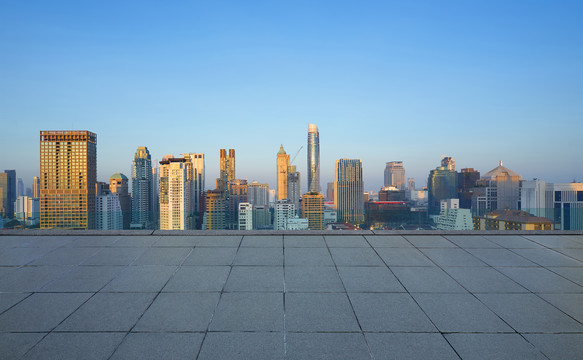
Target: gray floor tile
[(493, 346), (555, 241), (143, 278), (319, 312), (36, 241), (471, 241), (114, 256), (388, 241), (500, 257), (369, 279), (513, 241), (219, 241), (336, 346), (308, 256), (571, 304), (574, 274), (163, 256), (484, 279), (558, 346), (312, 279), (547, 257), (14, 345), (41, 312), (108, 312), (355, 257), (540, 280), (242, 346), (7, 269), (413, 346), (172, 312), (262, 241), (31, 278), (83, 279), (426, 279), (259, 256), (94, 241), (198, 278), (452, 257), (136, 241), (404, 257), (346, 241), (154, 346), (249, 312), (460, 313), (21, 256), (211, 256), (176, 241), (92, 346), (8, 300), (65, 256), (429, 241), (313, 241), (529, 313), (255, 278), (573, 253), (390, 313)]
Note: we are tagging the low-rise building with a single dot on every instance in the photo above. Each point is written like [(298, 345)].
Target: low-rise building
[(511, 220)]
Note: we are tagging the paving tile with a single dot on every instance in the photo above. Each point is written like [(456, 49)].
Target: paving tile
[(242, 346), (484, 279), (255, 278), (452, 257), (136, 241), (513, 241), (540, 280), (429, 241), (143, 278), (571, 304), (412, 346), (493, 346), (162, 256), (173, 312), (8, 300), (176, 241), (547, 257), (262, 241), (41, 312), (114, 256), (42, 241), (471, 241), (426, 279), (14, 345), (211, 256), (198, 278), (346, 241), (259, 256), (249, 312), (65, 256), (558, 346), (573, 253), (355, 257), (7, 269), (21, 256), (500, 257), (574, 274), (219, 241), (388, 241), (83, 279), (90, 346), (404, 257), (335, 346), (459, 313), (369, 279), (108, 312), (312, 279), (310, 241), (555, 241), (308, 256), (94, 241), (390, 313), (153, 346), (31, 278), (319, 312), (529, 313)]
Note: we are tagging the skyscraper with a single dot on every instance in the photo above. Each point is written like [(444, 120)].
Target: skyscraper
[(118, 185), (7, 193), (441, 185), (196, 177), (313, 159), (36, 187), (467, 180), (348, 191), (294, 186), (19, 187), (448, 162), (282, 171), (215, 211), (68, 172), (237, 195), (330, 192), (313, 210), (227, 169), (108, 215), (142, 190), (257, 193), (175, 203), (395, 175), (498, 189)]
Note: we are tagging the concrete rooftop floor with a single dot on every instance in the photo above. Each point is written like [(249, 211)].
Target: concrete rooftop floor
[(338, 296)]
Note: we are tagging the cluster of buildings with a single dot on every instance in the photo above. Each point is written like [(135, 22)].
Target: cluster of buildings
[(171, 195)]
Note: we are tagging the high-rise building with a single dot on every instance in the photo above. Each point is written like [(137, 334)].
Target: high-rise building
[(258, 194), (313, 159), (36, 187), (198, 171), (284, 210), (7, 193), (561, 203), (348, 191), (227, 169), (245, 216), (215, 210), (330, 192), (19, 187), (282, 171), (448, 162), (294, 186), (313, 210), (155, 196), (237, 195), (410, 184), (395, 175), (467, 180), (68, 173), (175, 202), (261, 217), (498, 189), (441, 185), (118, 185), (108, 214), (143, 191)]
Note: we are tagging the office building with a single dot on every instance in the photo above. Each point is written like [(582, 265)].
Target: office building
[(511, 220), (499, 189), (143, 192), (410, 184), (245, 218), (109, 214), (441, 185), (561, 203), (296, 223), (36, 187), (174, 194), (387, 214), (257, 193), (227, 169), (118, 185), (330, 192), (19, 187), (197, 176), (348, 191), (391, 193), (395, 175), (155, 196), (68, 172), (215, 217), (313, 159), (448, 162), (27, 210), (283, 211), (282, 171), (294, 186), (467, 180), (7, 193), (237, 195), (313, 209), (261, 217)]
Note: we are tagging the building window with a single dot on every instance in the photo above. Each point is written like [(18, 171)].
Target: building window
[(557, 196), (579, 195)]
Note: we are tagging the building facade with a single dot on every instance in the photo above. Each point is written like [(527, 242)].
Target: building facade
[(215, 216), (227, 169), (441, 185), (258, 193), (118, 185), (560, 203), (237, 195), (313, 210), (499, 189), (174, 194), (282, 172), (196, 176), (467, 181), (245, 216), (294, 186), (313, 159), (143, 192), (283, 211), (395, 175), (7, 193), (348, 191)]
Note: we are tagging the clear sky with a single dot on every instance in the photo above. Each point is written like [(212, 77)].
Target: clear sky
[(481, 81)]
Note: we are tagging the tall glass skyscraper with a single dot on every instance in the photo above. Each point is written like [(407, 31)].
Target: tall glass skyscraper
[(395, 175), (441, 185), (142, 190), (313, 159), (348, 191)]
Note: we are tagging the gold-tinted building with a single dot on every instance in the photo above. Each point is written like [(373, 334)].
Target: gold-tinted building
[(68, 174), (313, 210), (227, 172), (282, 170)]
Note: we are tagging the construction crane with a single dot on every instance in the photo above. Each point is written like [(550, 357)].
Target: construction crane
[(296, 155)]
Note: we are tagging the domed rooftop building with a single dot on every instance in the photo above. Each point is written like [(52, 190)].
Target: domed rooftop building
[(498, 189), (500, 170)]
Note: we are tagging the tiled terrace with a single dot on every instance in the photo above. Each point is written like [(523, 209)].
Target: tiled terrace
[(341, 296)]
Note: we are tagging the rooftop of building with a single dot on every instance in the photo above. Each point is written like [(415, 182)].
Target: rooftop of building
[(518, 216), (118, 176), (500, 170), (291, 295)]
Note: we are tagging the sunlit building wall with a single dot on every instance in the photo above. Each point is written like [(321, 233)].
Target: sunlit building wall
[(395, 175), (313, 159), (348, 191)]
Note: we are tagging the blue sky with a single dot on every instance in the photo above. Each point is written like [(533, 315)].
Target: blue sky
[(481, 81)]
